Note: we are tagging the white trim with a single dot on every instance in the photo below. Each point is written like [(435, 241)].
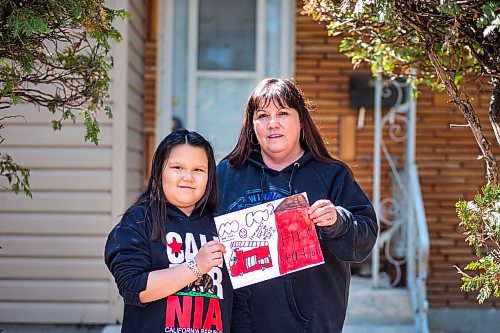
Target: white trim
[(287, 38), (165, 61), (293, 36), (260, 40), (227, 74), (192, 55)]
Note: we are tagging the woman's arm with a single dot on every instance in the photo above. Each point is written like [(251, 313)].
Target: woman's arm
[(353, 233)]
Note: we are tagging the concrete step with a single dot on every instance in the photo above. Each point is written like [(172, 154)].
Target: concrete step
[(379, 329), (112, 329), (378, 306)]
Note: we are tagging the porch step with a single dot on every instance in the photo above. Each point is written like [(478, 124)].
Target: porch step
[(379, 329), (376, 310), (112, 329)]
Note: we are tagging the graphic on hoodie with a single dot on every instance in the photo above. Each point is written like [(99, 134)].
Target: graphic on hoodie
[(269, 240), (257, 196), (195, 308)]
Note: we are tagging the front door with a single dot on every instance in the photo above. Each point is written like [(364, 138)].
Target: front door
[(212, 53)]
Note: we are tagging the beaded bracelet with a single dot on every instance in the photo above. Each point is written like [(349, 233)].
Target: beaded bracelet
[(192, 264)]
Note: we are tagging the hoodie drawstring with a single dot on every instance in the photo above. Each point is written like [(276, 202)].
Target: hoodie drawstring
[(263, 180), (262, 184), (296, 166)]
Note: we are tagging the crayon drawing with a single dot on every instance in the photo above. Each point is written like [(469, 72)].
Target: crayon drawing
[(269, 240)]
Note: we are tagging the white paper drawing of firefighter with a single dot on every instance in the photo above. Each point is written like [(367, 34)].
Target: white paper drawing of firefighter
[(269, 240)]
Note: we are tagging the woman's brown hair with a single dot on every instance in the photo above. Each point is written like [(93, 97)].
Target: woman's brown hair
[(284, 93)]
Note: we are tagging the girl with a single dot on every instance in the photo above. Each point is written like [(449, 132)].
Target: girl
[(166, 263)]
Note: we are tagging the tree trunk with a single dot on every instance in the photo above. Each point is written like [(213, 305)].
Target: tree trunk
[(494, 108), (463, 104)]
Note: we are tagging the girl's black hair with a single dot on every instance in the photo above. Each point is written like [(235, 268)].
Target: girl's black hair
[(154, 199)]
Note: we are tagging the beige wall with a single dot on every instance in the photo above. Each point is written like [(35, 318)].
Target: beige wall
[(51, 265)]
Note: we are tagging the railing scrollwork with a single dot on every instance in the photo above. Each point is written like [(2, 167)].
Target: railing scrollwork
[(403, 238)]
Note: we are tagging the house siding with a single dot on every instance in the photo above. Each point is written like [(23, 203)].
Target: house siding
[(136, 92), (51, 261), (52, 244)]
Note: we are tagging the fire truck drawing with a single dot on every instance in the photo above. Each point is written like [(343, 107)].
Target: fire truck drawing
[(249, 256)]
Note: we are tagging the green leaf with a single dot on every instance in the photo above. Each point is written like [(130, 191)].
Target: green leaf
[(56, 125), (108, 112), (92, 126), (488, 14), (473, 265), (17, 176)]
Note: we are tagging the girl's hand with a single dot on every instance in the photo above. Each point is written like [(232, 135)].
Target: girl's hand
[(323, 213), (210, 254)]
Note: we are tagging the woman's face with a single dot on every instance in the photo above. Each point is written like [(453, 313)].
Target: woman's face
[(185, 176), (278, 131)]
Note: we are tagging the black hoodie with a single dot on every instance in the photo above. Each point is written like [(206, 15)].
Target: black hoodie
[(130, 255), (314, 299)]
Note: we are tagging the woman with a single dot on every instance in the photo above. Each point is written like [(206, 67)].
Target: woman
[(163, 256), (280, 152)]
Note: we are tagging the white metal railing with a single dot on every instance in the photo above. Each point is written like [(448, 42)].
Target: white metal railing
[(417, 235), (405, 238), (417, 251)]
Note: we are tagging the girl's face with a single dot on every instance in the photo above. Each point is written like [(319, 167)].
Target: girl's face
[(185, 176)]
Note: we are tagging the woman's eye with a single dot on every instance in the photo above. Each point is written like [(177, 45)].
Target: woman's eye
[(261, 115), (199, 170), (176, 167), (283, 113)]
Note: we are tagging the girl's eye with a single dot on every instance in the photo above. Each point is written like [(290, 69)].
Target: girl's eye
[(199, 170), (261, 115), (176, 167), (283, 113)]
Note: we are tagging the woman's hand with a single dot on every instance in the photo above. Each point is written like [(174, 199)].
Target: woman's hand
[(323, 213), (210, 254)]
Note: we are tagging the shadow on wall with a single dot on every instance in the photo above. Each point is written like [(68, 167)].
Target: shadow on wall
[(32, 328)]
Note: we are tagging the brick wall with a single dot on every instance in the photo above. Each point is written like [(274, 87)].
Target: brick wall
[(150, 86), (446, 156)]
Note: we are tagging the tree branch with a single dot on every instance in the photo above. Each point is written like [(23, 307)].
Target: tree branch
[(463, 104), (494, 107)]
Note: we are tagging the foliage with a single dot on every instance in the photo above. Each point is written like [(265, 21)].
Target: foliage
[(55, 54), (389, 34), (446, 41), (481, 221)]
